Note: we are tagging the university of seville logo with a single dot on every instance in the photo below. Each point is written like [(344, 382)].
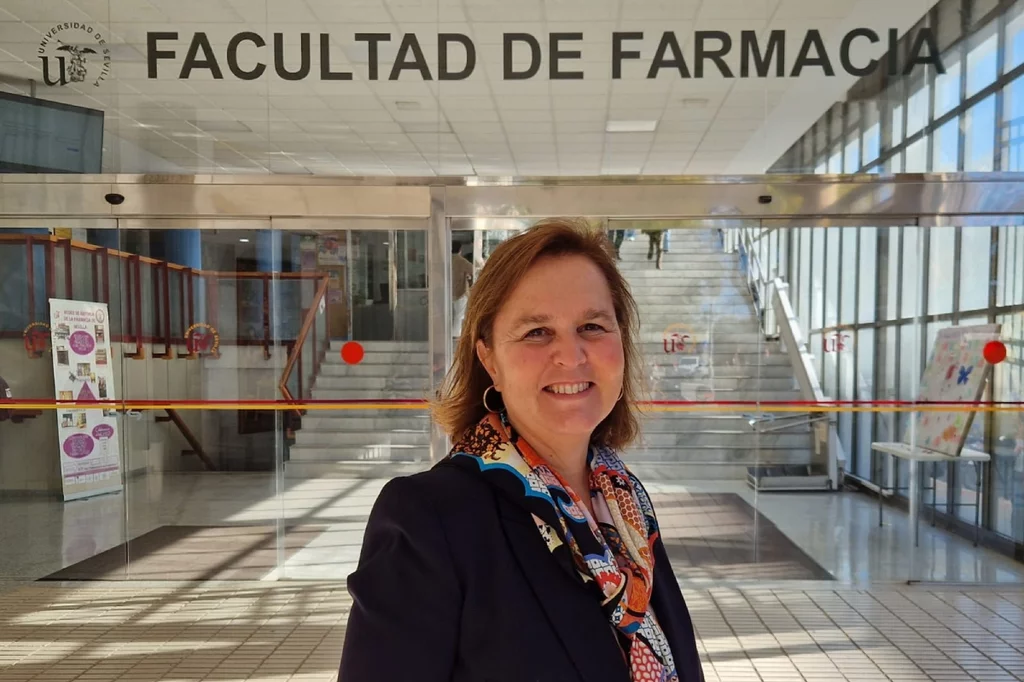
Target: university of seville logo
[(74, 52)]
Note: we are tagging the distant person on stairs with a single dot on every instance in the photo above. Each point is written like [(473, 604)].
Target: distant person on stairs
[(462, 276), (617, 237), (654, 245)]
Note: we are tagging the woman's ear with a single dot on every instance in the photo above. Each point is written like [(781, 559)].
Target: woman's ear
[(487, 360)]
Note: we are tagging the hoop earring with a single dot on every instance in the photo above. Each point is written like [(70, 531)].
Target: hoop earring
[(486, 406)]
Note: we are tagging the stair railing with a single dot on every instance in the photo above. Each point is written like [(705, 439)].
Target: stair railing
[(827, 444), (308, 351)]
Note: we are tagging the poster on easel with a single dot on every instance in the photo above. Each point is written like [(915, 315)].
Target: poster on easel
[(90, 456), (956, 373)]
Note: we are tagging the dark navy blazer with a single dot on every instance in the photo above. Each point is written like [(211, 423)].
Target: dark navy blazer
[(455, 584)]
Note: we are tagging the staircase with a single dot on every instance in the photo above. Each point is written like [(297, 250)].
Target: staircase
[(366, 442), (700, 293)]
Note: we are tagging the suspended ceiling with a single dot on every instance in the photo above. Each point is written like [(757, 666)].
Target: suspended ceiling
[(484, 125)]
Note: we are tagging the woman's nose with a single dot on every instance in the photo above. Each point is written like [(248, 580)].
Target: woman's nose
[(568, 351)]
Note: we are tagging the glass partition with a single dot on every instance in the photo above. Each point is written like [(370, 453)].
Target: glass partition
[(253, 383)]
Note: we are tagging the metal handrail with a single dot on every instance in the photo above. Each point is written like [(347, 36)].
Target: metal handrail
[(296, 353)]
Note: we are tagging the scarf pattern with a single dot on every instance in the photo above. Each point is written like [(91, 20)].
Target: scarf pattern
[(612, 552)]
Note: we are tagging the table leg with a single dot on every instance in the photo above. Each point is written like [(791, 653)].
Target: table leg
[(914, 498), (881, 486), (980, 467), (934, 485)]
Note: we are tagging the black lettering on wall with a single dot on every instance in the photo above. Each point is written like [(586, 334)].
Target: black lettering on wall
[(153, 54), (373, 40), (325, 62), (925, 38), (236, 70), (402, 61), (893, 54), (660, 61), (304, 59), (804, 58), (750, 50), (557, 54), (509, 40), (192, 60), (443, 41), (702, 52), (618, 54), (844, 52)]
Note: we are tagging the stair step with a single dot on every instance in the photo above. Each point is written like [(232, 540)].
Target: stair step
[(383, 384), (360, 439), (384, 346), (746, 385), (359, 470), (723, 440), (368, 394), (346, 422), (382, 358), (717, 455), (381, 453), (339, 369)]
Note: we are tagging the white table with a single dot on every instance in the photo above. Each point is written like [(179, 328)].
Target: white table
[(916, 455)]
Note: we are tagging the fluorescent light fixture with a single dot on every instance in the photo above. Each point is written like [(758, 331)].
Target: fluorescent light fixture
[(244, 240), (631, 126)]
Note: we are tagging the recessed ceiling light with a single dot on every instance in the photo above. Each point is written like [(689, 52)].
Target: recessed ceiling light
[(631, 126), (244, 240), (694, 102)]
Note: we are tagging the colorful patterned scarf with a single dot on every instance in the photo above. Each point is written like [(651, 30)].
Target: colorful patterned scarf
[(613, 554)]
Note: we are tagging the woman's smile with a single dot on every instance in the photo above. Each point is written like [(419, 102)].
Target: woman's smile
[(570, 390)]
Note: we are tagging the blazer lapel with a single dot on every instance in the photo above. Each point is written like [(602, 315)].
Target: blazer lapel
[(573, 612)]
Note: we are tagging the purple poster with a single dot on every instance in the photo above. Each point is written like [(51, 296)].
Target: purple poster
[(82, 343), (78, 446)]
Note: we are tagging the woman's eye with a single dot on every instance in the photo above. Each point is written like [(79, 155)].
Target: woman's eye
[(592, 327), (534, 333)]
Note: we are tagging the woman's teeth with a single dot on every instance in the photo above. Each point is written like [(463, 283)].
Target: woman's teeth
[(569, 389)]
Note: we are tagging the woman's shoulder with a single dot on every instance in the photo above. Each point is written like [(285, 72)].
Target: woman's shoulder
[(444, 490)]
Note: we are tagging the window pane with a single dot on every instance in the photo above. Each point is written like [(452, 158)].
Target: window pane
[(848, 272), (940, 268), (851, 157), (868, 256), (835, 162), (871, 143), (865, 347), (945, 143), (805, 280), (818, 289), (1008, 427), (975, 261), (910, 303), (897, 125), (1012, 138), (981, 64), (1014, 41), (917, 157), (979, 135), (832, 278), (1011, 266), (917, 109), (892, 282), (947, 91)]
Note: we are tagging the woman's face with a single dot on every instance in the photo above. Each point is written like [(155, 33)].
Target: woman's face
[(556, 354)]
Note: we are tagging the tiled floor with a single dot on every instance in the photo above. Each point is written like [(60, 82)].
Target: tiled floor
[(277, 632), (839, 532), (865, 623)]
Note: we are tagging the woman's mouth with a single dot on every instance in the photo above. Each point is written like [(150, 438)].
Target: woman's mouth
[(569, 389)]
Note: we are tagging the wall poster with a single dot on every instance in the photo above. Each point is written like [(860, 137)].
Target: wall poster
[(90, 458)]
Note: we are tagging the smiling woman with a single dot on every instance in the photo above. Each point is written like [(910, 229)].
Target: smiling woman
[(531, 551)]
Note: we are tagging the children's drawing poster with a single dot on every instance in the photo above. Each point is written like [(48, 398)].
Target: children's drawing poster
[(956, 373), (90, 458)]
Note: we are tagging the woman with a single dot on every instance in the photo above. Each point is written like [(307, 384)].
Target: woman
[(529, 552)]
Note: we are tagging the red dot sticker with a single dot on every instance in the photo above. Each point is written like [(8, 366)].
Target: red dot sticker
[(994, 352), (352, 353)]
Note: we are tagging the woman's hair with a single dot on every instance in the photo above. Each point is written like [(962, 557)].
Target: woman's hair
[(460, 404)]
